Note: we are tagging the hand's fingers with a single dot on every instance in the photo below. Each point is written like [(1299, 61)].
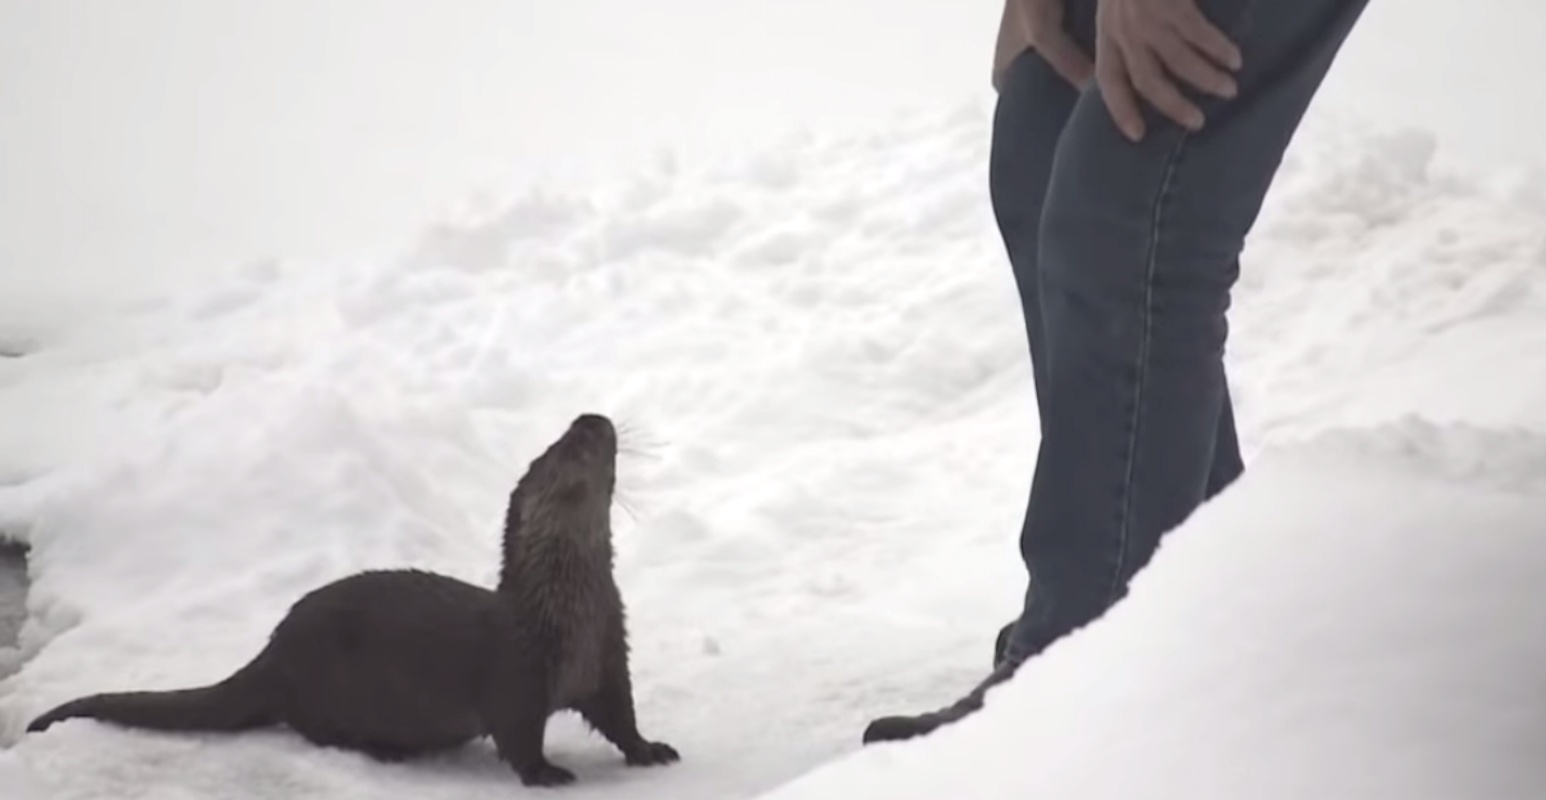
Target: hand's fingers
[(1194, 27), (1066, 57), (1154, 85), (1187, 64), (1116, 90)]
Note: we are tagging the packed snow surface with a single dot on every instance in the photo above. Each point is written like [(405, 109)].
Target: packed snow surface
[(820, 369), (1359, 620)]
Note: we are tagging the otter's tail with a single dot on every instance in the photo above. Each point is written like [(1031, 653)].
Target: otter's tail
[(239, 702)]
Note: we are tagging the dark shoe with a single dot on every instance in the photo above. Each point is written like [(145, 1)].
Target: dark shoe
[(1001, 644), (898, 728)]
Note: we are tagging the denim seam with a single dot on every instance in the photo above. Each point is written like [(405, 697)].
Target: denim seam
[(1114, 587), (1142, 369)]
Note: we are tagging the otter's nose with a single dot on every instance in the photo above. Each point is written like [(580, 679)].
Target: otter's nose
[(594, 424)]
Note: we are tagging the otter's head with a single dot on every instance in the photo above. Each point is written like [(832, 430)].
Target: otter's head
[(567, 491)]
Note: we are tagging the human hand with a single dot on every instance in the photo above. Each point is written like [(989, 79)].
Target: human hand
[(1049, 37), (1140, 44)]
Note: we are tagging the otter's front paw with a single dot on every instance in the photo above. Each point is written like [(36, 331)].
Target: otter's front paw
[(649, 754)]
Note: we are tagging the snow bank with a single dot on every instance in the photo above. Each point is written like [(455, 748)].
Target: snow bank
[(1358, 619), (819, 365)]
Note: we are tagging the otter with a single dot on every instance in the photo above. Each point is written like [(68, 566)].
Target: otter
[(400, 663)]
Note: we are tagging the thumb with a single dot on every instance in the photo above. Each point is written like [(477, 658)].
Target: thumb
[(1066, 57)]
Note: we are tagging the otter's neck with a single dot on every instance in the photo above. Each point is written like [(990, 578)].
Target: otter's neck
[(553, 546)]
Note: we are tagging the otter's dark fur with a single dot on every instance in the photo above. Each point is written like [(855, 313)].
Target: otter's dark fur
[(400, 663)]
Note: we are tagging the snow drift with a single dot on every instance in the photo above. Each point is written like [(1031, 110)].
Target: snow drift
[(1357, 618), (820, 368)]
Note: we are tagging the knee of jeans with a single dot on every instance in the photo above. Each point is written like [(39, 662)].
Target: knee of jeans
[(1018, 229), (1016, 189), (1086, 250)]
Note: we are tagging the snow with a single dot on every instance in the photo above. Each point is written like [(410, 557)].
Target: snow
[(818, 363), (1379, 638)]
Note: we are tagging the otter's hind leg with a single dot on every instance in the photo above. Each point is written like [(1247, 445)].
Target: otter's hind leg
[(383, 748), (610, 711)]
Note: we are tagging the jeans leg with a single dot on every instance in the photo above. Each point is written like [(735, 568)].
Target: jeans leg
[(1034, 105), (1138, 254)]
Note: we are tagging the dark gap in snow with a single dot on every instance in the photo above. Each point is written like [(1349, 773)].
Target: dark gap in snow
[(13, 591)]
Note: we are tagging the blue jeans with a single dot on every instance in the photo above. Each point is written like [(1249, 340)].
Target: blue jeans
[(1125, 255)]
